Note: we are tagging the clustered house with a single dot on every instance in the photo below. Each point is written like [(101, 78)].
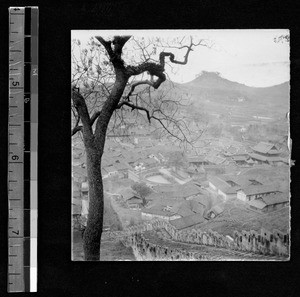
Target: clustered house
[(254, 192), (132, 200), (227, 185), (270, 203), (196, 195), (266, 153)]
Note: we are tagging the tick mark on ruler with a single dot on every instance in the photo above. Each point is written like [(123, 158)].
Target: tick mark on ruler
[(14, 273)]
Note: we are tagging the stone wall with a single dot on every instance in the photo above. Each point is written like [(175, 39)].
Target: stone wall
[(264, 242), (144, 250)]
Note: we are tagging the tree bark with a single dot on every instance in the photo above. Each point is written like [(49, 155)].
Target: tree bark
[(94, 146), (93, 231)]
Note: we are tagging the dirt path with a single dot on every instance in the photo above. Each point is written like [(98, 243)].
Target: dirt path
[(109, 250)]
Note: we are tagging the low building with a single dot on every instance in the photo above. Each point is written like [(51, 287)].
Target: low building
[(223, 188), (266, 153), (158, 211), (111, 171), (132, 200), (187, 208), (276, 201), (187, 222), (204, 200), (215, 160), (186, 191), (197, 161), (254, 192), (257, 205), (214, 212), (240, 160), (270, 203)]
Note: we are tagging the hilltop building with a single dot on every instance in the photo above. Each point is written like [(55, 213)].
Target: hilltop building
[(266, 153)]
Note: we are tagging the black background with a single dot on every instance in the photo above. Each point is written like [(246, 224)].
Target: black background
[(57, 275)]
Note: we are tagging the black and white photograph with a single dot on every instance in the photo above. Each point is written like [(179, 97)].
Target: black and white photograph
[(180, 145)]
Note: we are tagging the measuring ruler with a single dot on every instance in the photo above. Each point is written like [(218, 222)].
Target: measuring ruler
[(22, 149)]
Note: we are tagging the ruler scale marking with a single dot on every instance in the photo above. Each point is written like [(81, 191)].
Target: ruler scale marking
[(22, 156)]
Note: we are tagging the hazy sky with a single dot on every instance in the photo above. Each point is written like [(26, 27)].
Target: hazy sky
[(250, 57)]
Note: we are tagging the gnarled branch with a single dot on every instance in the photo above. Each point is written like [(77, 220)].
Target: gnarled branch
[(94, 117), (142, 82), (82, 110), (75, 130), (114, 49), (133, 107)]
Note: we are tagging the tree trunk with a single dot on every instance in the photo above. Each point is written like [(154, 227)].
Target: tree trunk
[(94, 146), (93, 231)]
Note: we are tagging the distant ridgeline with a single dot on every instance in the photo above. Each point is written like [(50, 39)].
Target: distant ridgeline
[(269, 245), (211, 85)]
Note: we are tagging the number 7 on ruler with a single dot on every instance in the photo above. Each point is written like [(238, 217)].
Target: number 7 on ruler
[(22, 147)]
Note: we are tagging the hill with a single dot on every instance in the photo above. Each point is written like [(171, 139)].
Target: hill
[(211, 84), (219, 95)]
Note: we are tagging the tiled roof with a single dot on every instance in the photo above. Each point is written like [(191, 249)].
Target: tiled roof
[(239, 158), (265, 147), (232, 150), (149, 161), (182, 191), (253, 190), (202, 199), (276, 198), (219, 183), (188, 221), (168, 201), (157, 210), (186, 208), (135, 200), (197, 207), (257, 204), (128, 194), (258, 157), (215, 159)]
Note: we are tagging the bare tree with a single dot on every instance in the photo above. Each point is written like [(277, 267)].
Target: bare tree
[(107, 79)]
